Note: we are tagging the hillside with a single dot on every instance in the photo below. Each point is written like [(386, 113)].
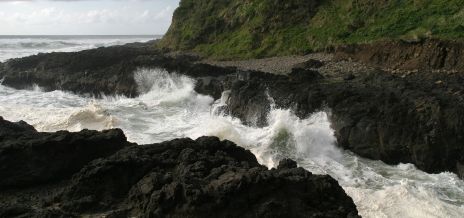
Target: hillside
[(232, 29)]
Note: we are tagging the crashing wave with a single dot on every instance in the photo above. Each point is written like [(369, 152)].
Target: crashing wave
[(159, 87), (91, 117), (169, 108)]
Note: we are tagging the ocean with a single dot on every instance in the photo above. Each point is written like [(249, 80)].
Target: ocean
[(170, 108), (21, 46)]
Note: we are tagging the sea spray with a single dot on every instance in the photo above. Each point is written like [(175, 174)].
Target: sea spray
[(220, 108), (379, 190), (157, 86)]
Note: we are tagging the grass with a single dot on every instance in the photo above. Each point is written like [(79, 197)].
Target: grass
[(232, 29)]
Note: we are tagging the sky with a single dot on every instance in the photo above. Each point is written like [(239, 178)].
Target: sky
[(86, 17)]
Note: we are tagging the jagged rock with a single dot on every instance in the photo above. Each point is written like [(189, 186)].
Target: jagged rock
[(378, 115), (430, 54), (287, 164), (108, 71), (300, 75), (29, 158), (179, 178), (12, 130)]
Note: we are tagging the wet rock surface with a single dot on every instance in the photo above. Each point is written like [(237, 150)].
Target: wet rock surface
[(412, 116), (179, 178), (377, 114), (29, 158), (104, 71)]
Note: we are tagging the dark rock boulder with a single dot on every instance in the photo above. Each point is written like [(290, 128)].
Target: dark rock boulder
[(287, 164), (304, 75), (202, 178), (179, 178), (12, 130), (310, 64), (30, 158)]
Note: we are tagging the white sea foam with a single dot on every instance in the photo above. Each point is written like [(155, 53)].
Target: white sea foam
[(379, 190), (170, 108)]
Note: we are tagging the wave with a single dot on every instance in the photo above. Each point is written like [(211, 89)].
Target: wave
[(168, 108), (21, 47), (378, 189), (159, 87), (91, 117), (38, 45)]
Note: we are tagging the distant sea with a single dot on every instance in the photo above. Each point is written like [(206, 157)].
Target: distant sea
[(14, 46)]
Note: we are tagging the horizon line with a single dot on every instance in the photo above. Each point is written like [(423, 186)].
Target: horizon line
[(81, 34)]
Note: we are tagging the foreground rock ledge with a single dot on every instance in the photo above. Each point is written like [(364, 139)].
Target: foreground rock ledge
[(180, 178)]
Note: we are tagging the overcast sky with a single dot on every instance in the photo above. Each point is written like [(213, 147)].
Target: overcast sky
[(85, 17)]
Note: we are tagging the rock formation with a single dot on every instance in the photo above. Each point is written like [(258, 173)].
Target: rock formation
[(415, 118), (107, 71), (100, 174), (425, 55), (397, 117)]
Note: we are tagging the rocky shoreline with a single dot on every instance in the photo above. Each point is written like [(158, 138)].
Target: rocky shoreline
[(393, 116), (100, 174), (104, 71)]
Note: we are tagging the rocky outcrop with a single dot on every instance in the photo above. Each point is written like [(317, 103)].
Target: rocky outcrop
[(431, 54), (30, 158), (180, 178), (105, 71), (414, 118)]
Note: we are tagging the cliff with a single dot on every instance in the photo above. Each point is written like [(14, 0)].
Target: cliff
[(230, 29)]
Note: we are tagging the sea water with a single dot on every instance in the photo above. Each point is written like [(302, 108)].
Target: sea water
[(21, 46), (169, 108)]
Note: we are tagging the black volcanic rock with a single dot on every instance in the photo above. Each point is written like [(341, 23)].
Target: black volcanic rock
[(378, 115), (107, 71), (411, 117), (11, 130), (29, 158), (179, 178)]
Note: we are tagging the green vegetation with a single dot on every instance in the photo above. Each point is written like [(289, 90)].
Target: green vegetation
[(233, 29)]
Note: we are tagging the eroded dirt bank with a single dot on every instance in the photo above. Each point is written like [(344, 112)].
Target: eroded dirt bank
[(422, 55)]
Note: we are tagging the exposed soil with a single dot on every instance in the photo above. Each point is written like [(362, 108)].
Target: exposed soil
[(430, 55)]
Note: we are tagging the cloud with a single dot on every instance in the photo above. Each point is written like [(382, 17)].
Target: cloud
[(85, 16), (63, 0), (47, 16)]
